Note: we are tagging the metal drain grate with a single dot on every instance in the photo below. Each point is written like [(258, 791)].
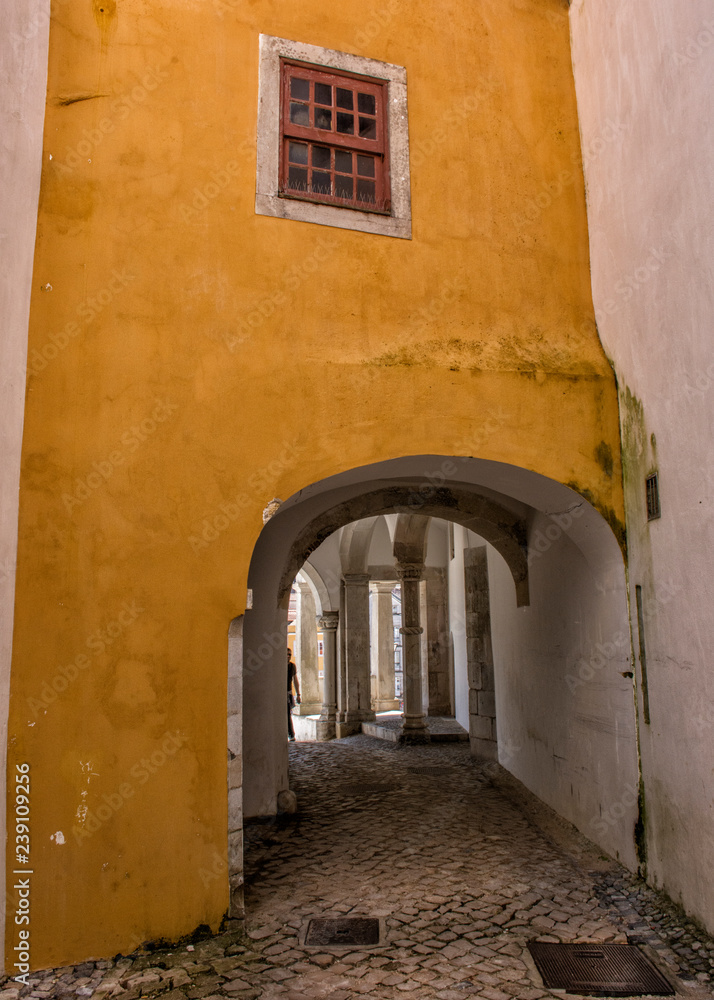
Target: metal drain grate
[(343, 931), (433, 771), (598, 970)]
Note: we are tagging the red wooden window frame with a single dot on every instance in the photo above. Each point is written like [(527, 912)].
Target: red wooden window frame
[(320, 164)]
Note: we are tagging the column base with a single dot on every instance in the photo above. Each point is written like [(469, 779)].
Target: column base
[(343, 729), (325, 729), (309, 708), (414, 736)]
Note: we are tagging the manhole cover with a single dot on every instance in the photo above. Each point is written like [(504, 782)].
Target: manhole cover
[(343, 930), (361, 787), (598, 970), (435, 771)]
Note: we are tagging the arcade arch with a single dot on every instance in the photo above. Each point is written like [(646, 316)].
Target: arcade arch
[(545, 568)]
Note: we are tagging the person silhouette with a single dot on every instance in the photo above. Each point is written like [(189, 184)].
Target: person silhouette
[(292, 700)]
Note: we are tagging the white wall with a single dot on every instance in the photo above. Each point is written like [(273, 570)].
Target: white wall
[(23, 81), (644, 76), (565, 710)]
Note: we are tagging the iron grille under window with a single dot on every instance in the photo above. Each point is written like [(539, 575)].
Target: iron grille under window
[(334, 139), (652, 487)]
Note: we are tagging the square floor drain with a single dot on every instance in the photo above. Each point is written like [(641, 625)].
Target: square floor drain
[(619, 970), (343, 931)]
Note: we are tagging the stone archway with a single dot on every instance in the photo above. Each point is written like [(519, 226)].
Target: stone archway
[(564, 571)]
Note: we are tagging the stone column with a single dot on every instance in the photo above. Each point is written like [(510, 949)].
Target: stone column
[(306, 652), (327, 722), (382, 647), (479, 655), (356, 631), (414, 729), (341, 660), (435, 645)]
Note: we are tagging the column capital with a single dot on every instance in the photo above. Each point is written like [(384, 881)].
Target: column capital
[(355, 579), (382, 586), (410, 571), (328, 620)]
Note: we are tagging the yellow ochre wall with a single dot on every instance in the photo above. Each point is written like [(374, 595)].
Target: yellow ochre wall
[(169, 385)]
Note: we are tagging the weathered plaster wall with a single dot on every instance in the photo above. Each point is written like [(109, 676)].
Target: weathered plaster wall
[(645, 83), (206, 360), (564, 705), (23, 80), (564, 700)]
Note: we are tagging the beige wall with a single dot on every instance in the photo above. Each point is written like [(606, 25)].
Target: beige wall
[(23, 78), (644, 76)]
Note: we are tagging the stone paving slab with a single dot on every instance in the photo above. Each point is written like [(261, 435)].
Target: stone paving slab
[(459, 869)]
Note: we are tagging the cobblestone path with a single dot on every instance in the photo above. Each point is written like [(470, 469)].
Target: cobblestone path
[(433, 843)]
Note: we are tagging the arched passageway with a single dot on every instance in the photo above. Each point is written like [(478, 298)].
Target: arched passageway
[(550, 574)]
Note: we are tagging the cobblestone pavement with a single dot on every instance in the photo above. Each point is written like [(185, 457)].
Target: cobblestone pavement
[(435, 844)]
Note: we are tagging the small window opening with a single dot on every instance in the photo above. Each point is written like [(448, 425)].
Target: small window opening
[(653, 505), (334, 145)]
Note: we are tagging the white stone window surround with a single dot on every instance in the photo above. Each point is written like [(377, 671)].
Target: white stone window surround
[(267, 200)]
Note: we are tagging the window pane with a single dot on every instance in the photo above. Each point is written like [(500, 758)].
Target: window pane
[(298, 152), (320, 157), (366, 104), (343, 161), (343, 187), (323, 93), (345, 123), (299, 88), (300, 114), (320, 182), (365, 190), (297, 178), (323, 119), (345, 99), (367, 128), (365, 165)]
